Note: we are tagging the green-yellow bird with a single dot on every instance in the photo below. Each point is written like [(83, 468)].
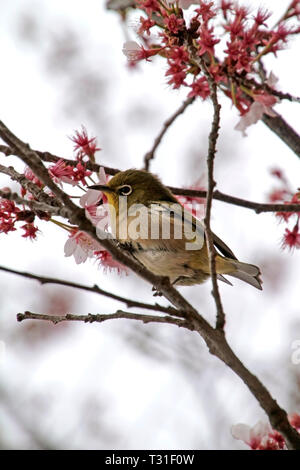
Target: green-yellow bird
[(150, 222)]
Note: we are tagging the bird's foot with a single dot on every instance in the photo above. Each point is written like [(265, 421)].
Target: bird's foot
[(156, 293)]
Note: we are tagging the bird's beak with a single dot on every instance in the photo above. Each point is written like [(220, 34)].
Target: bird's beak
[(102, 187)]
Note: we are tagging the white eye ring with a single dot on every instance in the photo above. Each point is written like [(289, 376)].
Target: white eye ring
[(125, 190)]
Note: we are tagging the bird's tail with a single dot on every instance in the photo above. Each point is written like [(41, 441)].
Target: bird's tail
[(243, 271), (247, 273)]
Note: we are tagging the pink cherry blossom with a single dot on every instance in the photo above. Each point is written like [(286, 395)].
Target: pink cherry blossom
[(251, 436), (259, 437), (30, 231), (199, 87), (8, 215), (145, 25), (60, 172), (99, 216), (81, 246), (92, 196), (108, 263), (291, 238), (28, 173), (174, 24), (255, 113), (7, 225), (133, 51), (84, 145)]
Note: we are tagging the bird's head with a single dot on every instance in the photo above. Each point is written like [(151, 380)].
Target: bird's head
[(138, 186)]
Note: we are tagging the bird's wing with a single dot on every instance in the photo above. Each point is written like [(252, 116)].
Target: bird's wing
[(195, 226), (223, 248), (183, 224)]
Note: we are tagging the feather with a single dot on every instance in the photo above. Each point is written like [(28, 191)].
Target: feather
[(222, 278)]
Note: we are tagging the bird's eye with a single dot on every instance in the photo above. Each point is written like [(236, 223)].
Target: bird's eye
[(125, 190)]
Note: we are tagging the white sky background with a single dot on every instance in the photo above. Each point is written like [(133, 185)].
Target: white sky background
[(97, 377)]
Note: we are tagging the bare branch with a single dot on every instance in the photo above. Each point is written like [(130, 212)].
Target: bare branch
[(258, 207), (211, 184), (99, 318), (150, 155), (51, 158), (284, 96), (95, 289)]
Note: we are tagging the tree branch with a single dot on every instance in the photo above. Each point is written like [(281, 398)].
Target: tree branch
[(51, 158), (31, 159), (31, 203), (258, 207), (213, 137), (95, 289), (214, 338), (31, 187), (150, 155), (99, 318)]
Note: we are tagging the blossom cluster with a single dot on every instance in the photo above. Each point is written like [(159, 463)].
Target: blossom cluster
[(78, 244), (262, 436), (10, 214), (222, 39), (283, 194)]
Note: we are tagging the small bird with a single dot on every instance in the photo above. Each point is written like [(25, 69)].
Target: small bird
[(151, 224)]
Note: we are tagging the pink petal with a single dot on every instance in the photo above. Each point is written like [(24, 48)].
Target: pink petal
[(90, 198), (131, 50), (241, 431), (251, 117), (260, 430), (272, 80), (102, 176), (80, 255), (70, 247)]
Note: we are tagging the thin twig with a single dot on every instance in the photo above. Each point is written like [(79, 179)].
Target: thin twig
[(31, 159), (99, 318), (51, 158), (213, 136), (150, 155), (258, 207), (95, 289), (283, 96), (31, 203), (31, 187)]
